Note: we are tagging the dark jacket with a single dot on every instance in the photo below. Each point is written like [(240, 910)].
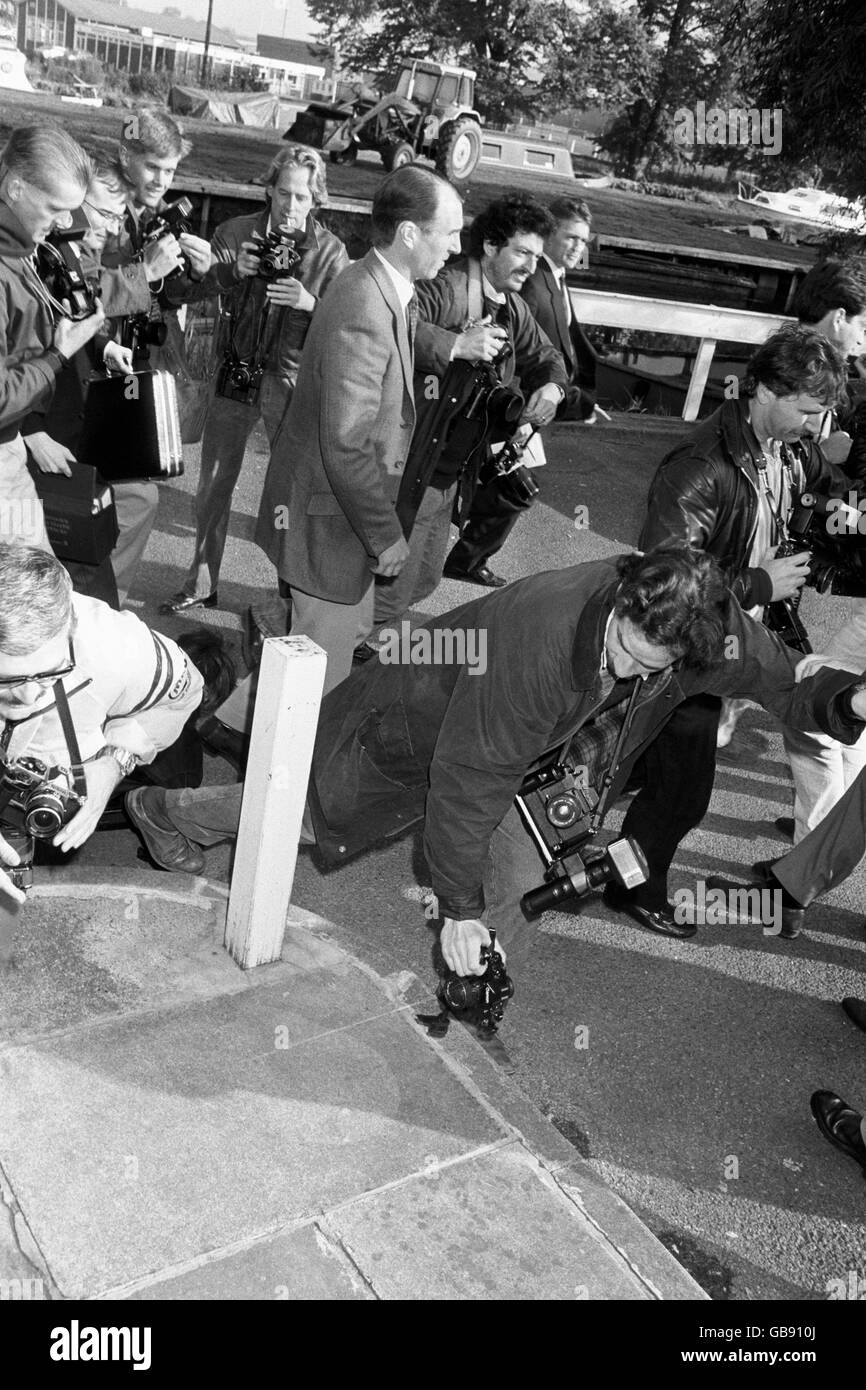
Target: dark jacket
[(397, 740), (30, 363), (706, 492), (542, 294), (323, 256), (443, 311)]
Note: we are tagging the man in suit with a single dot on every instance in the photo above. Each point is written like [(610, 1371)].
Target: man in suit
[(546, 293), (327, 517)]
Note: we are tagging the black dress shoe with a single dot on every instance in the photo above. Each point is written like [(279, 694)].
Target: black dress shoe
[(839, 1124), (659, 920), (164, 843), (785, 826), (793, 915), (856, 1011), (482, 575), (364, 653), (219, 738), (179, 603)]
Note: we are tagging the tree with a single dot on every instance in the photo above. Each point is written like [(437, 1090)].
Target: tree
[(503, 40), (645, 60), (808, 61)]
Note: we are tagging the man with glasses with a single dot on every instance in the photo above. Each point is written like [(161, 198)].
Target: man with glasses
[(43, 179), (123, 290), (88, 692), (601, 652), (546, 293)]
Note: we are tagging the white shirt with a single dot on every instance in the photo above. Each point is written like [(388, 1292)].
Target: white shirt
[(402, 284), (559, 277)]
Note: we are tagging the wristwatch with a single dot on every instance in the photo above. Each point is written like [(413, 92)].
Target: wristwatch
[(126, 761)]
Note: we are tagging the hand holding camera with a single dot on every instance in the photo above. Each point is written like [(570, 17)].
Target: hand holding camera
[(788, 572), (71, 335), (480, 342), (8, 888), (198, 253), (462, 943), (103, 776), (162, 259)]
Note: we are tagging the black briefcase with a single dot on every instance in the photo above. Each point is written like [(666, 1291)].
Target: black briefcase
[(131, 427)]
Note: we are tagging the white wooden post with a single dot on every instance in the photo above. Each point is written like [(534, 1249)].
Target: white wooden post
[(700, 372), (275, 791)]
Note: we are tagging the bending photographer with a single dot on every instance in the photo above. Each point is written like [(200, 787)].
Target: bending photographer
[(271, 269), (602, 651), (43, 178), (86, 694)]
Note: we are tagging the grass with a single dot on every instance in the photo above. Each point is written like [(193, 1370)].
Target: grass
[(239, 154)]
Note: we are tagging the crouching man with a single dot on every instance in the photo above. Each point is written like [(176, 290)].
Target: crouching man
[(86, 694), (603, 651)]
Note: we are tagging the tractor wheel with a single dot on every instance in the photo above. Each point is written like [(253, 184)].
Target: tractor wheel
[(459, 150), (395, 156)]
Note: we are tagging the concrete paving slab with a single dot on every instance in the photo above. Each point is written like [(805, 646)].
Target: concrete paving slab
[(296, 1266), (492, 1227), (150, 1140), (89, 949)]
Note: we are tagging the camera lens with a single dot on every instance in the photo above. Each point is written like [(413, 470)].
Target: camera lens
[(460, 993), (562, 810), (240, 376), (44, 814)]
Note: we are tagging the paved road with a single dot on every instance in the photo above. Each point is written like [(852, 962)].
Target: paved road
[(691, 1097)]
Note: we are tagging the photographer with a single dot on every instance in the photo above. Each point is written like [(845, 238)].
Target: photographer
[(43, 178), (52, 446), (150, 149), (266, 315), (87, 692), (594, 650), (730, 488), (471, 315)]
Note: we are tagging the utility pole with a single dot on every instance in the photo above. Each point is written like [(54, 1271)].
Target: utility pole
[(204, 58)]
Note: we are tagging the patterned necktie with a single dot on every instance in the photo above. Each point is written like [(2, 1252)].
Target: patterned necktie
[(412, 319)]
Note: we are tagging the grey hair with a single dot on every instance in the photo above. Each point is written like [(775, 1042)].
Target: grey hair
[(35, 598), (301, 157), (43, 154)]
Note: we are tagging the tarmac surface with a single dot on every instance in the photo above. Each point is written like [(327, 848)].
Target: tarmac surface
[(672, 1075)]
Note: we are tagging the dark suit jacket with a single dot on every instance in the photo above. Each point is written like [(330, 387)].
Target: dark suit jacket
[(327, 509), (542, 294)]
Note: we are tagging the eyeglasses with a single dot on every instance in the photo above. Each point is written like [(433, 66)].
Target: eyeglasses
[(114, 219), (41, 677)]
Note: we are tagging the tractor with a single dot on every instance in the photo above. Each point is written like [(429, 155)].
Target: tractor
[(429, 113)]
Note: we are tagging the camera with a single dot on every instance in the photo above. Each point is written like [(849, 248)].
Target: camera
[(836, 566), (170, 222), (278, 255), (58, 265), (500, 406), (34, 800), (479, 999), (141, 332), (561, 812), (239, 380)]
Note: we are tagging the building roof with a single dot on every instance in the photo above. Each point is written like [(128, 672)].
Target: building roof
[(174, 26), (311, 55)]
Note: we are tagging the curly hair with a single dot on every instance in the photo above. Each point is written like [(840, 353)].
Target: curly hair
[(797, 361), (502, 218), (676, 595)]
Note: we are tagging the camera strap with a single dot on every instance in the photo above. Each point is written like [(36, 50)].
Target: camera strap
[(780, 525), (65, 716)]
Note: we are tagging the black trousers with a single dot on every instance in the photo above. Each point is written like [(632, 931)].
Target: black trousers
[(675, 775), (492, 517)]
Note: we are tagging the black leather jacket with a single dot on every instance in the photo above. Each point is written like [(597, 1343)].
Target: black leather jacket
[(706, 492)]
